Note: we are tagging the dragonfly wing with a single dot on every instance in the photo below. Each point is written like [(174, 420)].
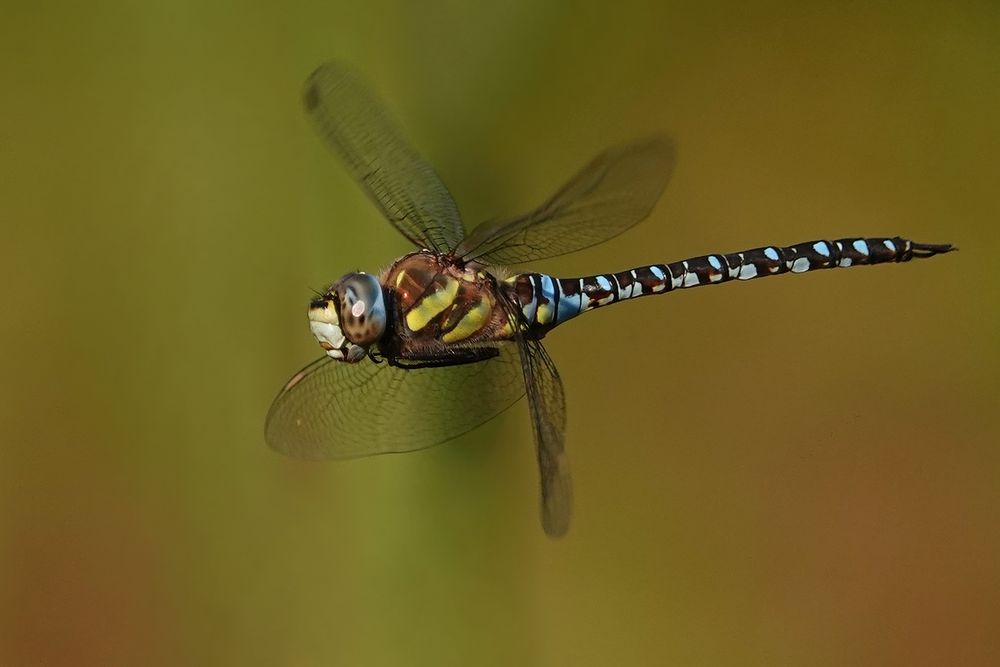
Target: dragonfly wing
[(614, 192), (337, 410), (547, 404), (352, 119)]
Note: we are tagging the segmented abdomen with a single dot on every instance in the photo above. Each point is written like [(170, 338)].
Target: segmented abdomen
[(547, 301)]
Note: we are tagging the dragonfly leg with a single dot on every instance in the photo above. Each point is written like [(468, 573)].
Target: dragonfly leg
[(451, 358)]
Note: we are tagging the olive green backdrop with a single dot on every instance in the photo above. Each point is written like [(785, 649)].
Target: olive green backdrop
[(793, 471)]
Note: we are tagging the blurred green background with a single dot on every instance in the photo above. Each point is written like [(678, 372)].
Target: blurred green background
[(793, 471)]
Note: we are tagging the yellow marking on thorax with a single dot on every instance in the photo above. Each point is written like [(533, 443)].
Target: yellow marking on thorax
[(470, 323), (508, 328), (543, 314), (431, 305), (400, 278)]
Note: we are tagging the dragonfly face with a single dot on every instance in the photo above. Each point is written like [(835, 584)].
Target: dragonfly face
[(350, 317)]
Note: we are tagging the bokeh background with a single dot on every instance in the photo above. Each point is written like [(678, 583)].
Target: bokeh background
[(793, 471)]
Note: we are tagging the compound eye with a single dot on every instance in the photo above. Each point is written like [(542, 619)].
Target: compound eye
[(362, 309)]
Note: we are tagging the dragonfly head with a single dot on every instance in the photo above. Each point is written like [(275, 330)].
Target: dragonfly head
[(349, 317)]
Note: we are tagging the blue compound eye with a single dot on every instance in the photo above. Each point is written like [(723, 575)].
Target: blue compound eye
[(362, 308)]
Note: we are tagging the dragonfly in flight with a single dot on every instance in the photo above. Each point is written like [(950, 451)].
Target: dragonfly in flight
[(445, 339)]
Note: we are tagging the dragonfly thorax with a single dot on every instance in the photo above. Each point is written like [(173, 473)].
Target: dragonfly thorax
[(350, 317)]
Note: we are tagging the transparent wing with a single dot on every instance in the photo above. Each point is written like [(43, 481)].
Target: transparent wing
[(355, 123), (547, 404), (336, 410), (548, 418), (614, 192)]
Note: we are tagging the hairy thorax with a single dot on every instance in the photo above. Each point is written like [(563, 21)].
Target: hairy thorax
[(437, 302)]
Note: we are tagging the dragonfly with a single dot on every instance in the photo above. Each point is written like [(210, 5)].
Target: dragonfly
[(446, 338)]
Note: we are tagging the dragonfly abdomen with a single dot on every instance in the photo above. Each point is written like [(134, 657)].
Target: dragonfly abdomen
[(547, 301)]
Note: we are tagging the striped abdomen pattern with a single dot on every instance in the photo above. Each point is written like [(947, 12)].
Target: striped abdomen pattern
[(547, 301)]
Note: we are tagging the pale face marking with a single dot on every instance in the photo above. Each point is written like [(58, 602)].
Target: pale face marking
[(358, 308), (329, 334)]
